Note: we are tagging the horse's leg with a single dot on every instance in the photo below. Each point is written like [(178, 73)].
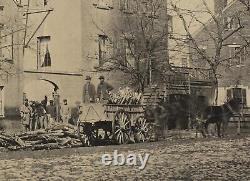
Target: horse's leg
[(218, 128), (203, 130), (31, 123), (35, 124), (206, 128), (224, 126)]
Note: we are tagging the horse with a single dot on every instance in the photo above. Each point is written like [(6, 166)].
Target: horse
[(220, 115)]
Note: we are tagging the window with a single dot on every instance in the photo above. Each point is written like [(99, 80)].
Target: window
[(45, 2), (128, 49), (144, 7), (103, 4), (127, 6), (237, 93), (7, 44), (237, 54), (200, 59), (231, 23), (43, 53), (184, 61), (170, 24), (1, 101), (105, 49)]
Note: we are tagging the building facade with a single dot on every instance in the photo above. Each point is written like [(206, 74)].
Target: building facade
[(55, 44), (233, 72), (11, 60)]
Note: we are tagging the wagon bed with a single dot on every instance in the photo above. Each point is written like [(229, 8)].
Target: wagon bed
[(123, 121)]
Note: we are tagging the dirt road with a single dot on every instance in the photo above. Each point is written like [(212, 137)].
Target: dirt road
[(169, 160)]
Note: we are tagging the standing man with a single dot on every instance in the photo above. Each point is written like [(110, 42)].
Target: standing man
[(25, 112), (89, 92), (44, 102), (103, 89), (41, 116), (56, 98), (51, 112), (75, 112), (65, 111)]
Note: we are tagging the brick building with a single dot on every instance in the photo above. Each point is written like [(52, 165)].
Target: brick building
[(234, 71)]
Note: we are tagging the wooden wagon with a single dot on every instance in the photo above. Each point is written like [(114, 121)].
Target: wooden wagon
[(123, 123)]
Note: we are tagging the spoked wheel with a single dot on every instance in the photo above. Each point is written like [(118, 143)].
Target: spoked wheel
[(86, 134), (122, 127), (142, 129)]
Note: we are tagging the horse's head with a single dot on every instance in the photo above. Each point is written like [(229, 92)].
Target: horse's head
[(234, 104)]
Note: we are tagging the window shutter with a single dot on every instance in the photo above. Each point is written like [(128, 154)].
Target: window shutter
[(122, 4)]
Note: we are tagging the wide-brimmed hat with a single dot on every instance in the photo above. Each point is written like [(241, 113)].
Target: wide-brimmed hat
[(101, 77), (88, 77)]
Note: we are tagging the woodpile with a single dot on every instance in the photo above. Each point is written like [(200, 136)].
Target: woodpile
[(56, 137)]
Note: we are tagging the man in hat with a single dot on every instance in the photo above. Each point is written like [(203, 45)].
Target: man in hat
[(26, 112), (89, 92), (56, 98), (51, 112), (65, 111), (103, 89)]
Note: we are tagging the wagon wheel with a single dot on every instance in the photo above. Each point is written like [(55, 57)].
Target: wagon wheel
[(142, 129), (86, 134), (122, 127)]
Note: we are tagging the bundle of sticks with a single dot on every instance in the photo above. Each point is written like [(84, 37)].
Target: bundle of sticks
[(125, 96)]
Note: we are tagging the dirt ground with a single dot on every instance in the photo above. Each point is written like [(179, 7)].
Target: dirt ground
[(171, 159), (176, 158)]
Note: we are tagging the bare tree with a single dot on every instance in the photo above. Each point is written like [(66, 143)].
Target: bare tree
[(246, 3), (138, 42), (207, 46), (10, 28)]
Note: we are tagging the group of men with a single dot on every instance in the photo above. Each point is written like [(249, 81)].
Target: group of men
[(91, 95), (36, 115)]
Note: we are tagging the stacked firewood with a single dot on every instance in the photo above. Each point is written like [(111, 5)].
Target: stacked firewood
[(125, 96), (60, 136)]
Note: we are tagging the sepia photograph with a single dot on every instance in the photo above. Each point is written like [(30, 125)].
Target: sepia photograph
[(125, 90)]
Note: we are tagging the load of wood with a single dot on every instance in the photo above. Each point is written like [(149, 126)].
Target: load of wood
[(125, 96), (56, 137)]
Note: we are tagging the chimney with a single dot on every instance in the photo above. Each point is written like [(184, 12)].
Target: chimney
[(219, 5)]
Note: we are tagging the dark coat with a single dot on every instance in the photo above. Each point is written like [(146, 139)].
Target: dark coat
[(103, 89), (51, 109), (89, 93)]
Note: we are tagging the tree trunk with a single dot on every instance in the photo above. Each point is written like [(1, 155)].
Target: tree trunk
[(216, 89)]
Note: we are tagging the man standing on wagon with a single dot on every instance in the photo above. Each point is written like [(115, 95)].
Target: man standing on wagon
[(89, 92), (103, 89)]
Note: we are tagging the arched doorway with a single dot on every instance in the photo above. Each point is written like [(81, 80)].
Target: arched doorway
[(36, 90)]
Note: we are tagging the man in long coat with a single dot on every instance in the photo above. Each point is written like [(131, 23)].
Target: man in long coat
[(103, 89), (89, 92), (26, 112)]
